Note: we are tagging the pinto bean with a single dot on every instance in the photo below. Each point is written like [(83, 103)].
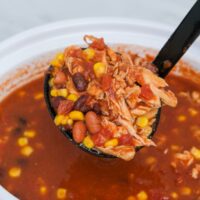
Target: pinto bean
[(65, 106), (60, 78), (80, 82), (93, 122), (79, 131)]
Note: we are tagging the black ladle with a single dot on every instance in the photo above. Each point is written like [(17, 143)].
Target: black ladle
[(171, 52)]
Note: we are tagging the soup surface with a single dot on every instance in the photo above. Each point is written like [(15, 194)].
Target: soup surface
[(37, 162)]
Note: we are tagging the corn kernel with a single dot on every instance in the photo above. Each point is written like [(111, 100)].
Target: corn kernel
[(60, 57), (195, 152), (65, 120), (62, 92), (193, 112), (30, 133), (111, 143), (142, 121), (43, 190), (72, 97), (186, 191), (99, 69), (56, 63), (27, 151), (88, 142), (89, 53), (175, 147), (61, 120), (54, 93), (51, 82), (70, 122), (21, 93), (181, 118), (58, 119), (150, 160), (38, 96), (15, 172), (131, 198), (142, 195), (76, 115), (22, 141), (174, 195), (61, 193)]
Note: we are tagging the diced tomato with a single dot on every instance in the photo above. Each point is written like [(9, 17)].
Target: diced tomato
[(98, 139), (101, 137), (126, 139), (146, 92), (106, 82), (76, 53), (106, 133), (98, 44)]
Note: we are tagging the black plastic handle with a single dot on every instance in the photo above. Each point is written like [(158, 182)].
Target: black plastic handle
[(179, 42)]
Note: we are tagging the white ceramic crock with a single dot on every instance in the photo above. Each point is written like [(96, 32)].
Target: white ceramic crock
[(21, 49)]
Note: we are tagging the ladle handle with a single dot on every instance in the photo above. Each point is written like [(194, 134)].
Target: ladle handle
[(179, 42)]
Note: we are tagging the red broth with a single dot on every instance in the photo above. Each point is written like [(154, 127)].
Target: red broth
[(38, 162)]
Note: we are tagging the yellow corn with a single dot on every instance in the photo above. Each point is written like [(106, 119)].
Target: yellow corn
[(65, 120), (99, 69), (62, 92), (142, 121), (150, 160), (111, 143), (181, 118), (195, 152), (70, 122), (131, 198), (21, 93), (174, 195), (76, 115), (51, 82), (22, 141), (60, 120), (55, 63), (142, 195), (60, 57), (29, 133), (54, 93), (27, 151), (175, 147), (193, 112), (72, 97), (89, 53), (186, 191), (61, 193), (43, 190), (88, 142), (15, 172), (38, 96)]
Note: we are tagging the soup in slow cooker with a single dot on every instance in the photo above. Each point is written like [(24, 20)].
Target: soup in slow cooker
[(37, 162)]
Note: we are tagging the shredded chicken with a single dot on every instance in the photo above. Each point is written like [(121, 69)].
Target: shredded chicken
[(196, 171), (122, 90), (125, 152), (185, 158)]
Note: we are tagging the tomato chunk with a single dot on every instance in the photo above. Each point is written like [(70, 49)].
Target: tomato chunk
[(126, 139), (146, 92), (106, 82), (98, 44)]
